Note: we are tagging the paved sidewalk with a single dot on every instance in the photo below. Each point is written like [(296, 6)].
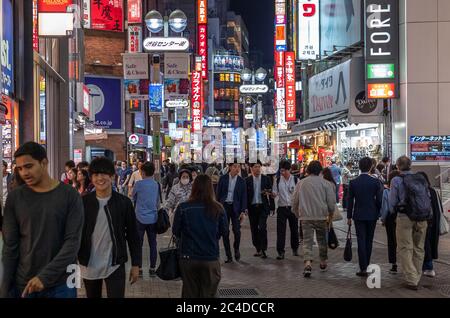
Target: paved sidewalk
[(273, 278)]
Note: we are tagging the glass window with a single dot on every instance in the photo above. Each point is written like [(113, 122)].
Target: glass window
[(42, 108)]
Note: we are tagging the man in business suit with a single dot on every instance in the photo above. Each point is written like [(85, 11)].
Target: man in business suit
[(364, 204), (259, 206), (232, 193)]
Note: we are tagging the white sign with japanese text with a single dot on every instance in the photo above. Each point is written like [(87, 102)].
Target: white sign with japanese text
[(158, 44), (254, 89), (308, 29)]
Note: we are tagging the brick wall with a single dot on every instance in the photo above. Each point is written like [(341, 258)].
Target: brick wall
[(107, 47)]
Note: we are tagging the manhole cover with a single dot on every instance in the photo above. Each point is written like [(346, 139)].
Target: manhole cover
[(239, 293), (445, 290)]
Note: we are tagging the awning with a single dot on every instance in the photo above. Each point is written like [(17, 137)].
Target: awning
[(326, 122), (294, 145)]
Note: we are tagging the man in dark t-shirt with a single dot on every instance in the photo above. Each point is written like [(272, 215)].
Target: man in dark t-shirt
[(42, 227)]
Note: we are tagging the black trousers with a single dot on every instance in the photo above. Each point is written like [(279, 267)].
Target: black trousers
[(365, 231), (345, 197), (200, 278), (257, 216), (236, 226), (391, 226), (115, 285), (284, 215)]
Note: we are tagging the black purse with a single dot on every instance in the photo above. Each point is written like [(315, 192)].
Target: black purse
[(348, 246), (333, 242), (169, 268), (163, 222)]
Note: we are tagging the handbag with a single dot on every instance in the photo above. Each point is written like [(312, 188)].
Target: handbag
[(348, 246), (337, 215), (443, 223), (163, 222), (333, 242), (169, 268)]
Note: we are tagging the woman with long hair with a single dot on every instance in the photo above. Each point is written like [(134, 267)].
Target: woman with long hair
[(83, 182), (198, 225), (327, 175), (73, 176)]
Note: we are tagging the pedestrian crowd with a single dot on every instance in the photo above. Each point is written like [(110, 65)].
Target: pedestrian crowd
[(98, 213)]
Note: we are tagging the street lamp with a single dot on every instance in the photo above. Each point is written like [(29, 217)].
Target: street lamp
[(246, 75), (154, 21), (177, 21), (261, 74)]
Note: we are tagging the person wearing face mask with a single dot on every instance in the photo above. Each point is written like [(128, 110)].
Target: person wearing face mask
[(181, 191)]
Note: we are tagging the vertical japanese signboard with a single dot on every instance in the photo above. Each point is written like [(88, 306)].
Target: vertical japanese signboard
[(197, 101), (35, 26), (382, 48), (107, 15), (308, 29), (290, 87), (134, 11), (202, 33), (134, 39)]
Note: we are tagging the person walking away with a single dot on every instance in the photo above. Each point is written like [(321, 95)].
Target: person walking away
[(347, 175), (283, 188), (146, 197), (213, 172), (65, 175), (388, 219), (180, 192), (260, 203), (336, 172), (110, 224), (169, 178), (386, 161), (42, 227), (365, 197), (198, 225), (410, 198), (314, 203), (135, 177), (232, 194), (432, 236)]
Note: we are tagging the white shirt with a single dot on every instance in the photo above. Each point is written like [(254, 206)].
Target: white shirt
[(100, 261), (135, 176), (285, 191), (231, 186), (257, 190)]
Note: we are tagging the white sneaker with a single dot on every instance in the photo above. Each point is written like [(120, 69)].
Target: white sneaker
[(429, 273)]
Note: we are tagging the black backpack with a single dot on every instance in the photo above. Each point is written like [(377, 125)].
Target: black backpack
[(417, 205)]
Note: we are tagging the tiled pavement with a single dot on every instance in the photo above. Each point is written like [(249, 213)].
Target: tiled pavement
[(273, 278)]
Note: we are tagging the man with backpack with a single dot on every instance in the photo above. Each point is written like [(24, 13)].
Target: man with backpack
[(410, 199), (284, 189)]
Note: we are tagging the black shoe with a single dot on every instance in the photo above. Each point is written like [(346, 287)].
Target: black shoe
[(393, 270), (229, 260), (152, 272), (295, 252), (264, 255), (280, 256), (237, 256), (362, 274), (257, 254), (411, 287)]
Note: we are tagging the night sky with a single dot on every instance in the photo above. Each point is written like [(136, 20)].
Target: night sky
[(259, 16)]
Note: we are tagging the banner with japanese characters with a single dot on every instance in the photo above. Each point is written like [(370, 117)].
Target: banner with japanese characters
[(197, 101), (203, 48), (107, 15), (290, 86), (134, 39), (134, 11)]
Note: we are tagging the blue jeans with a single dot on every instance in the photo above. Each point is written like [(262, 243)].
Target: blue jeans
[(427, 265), (60, 291)]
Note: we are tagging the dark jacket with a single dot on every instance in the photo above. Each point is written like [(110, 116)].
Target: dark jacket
[(432, 237), (240, 193), (365, 196), (269, 204), (198, 233), (122, 225)]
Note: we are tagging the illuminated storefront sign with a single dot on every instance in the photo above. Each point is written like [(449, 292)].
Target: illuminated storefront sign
[(381, 90), (308, 29), (380, 71), (158, 44), (203, 48), (197, 102), (430, 148), (134, 39), (290, 87)]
